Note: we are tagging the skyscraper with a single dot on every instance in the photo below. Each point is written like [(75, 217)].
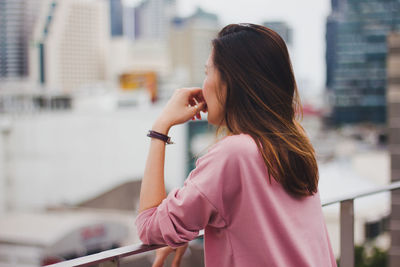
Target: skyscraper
[(331, 40), (17, 18), (71, 43), (152, 19), (129, 22), (116, 18), (190, 44), (356, 55)]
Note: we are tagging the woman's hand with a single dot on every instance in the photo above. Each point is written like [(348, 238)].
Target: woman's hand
[(185, 104), (162, 254)]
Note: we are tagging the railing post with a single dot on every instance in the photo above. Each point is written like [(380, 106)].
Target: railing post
[(347, 233)]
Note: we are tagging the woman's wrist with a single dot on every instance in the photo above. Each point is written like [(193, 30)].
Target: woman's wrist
[(161, 127)]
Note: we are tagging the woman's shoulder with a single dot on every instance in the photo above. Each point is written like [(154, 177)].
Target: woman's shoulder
[(238, 144)]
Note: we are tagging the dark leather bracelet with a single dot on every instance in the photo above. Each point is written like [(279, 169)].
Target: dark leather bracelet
[(160, 136)]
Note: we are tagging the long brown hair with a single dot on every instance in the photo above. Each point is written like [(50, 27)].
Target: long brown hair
[(262, 101)]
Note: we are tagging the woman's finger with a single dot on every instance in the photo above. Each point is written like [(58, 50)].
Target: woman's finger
[(198, 107), (195, 90), (185, 104), (204, 109), (199, 96), (196, 93), (192, 102)]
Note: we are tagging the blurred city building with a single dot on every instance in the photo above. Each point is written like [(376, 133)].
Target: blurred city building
[(142, 52), (331, 40), (69, 157), (129, 22), (190, 45), (152, 19), (42, 238), (116, 18), (142, 79), (140, 55), (17, 18), (70, 44), (393, 101), (21, 97), (282, 29), (139, 66), (356, 56)]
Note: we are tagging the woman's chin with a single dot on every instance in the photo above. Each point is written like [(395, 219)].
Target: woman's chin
[(212, 122)]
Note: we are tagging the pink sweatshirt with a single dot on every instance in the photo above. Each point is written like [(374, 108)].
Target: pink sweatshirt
[(247, 220)]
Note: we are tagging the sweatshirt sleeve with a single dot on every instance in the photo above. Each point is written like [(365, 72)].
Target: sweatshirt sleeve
[(179, 217)]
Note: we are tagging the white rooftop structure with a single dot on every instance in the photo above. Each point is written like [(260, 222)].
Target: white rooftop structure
[(33, 237)]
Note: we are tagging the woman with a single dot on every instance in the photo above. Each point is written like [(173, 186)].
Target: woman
[(256, 190)]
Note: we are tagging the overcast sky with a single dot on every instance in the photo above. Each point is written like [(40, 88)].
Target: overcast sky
[(307, 19)]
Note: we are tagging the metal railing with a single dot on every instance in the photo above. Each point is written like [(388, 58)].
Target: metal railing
[(111, 258)]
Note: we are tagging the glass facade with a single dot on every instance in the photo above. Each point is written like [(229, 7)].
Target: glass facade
[(116, 17), (356, 58), (17, 18), (12, 40)]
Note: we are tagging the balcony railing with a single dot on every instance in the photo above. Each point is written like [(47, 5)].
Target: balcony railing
[(111, 258)]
